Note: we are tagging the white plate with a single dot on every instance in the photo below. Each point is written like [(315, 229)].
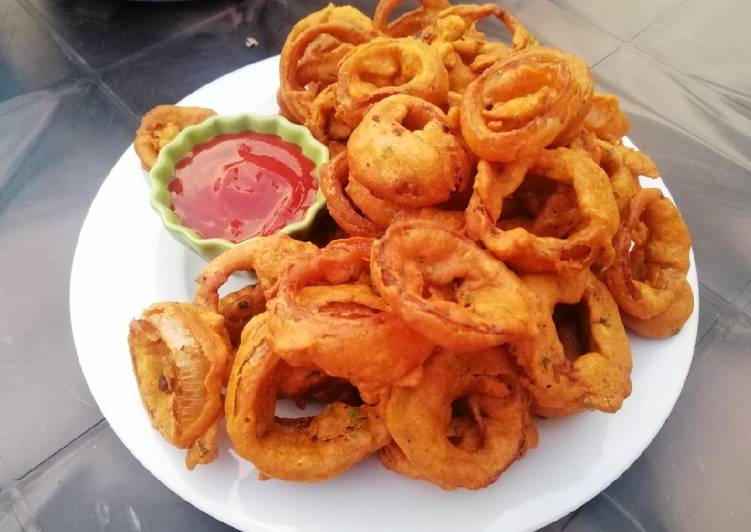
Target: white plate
[(125, 260)]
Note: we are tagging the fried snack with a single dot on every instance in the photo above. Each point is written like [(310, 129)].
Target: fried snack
[(307, 449), (238, 307), (597, 372), (326, 314), (179, 353), (605, 119), (379, 211), (311, 55), (323, 123), (334, 178), (267, 256), (403, 151), (464, 50), (496, 405), (652, 256), (384, 67), (669, 322), (531, 99), (447, 289), (161, 125), (588, 242), (409, 23), (624, 166), (299, 382)]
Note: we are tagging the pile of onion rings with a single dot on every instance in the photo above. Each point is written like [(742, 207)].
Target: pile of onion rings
[(493, 244)]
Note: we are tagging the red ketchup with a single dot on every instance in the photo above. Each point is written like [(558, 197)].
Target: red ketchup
[(242, 185)]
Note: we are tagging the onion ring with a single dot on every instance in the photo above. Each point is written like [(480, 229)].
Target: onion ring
[(403, 151), (303, 449), (409, 23), (599, 377), (417, 417), (448, 289), (161, 125), (533, 98), (297, 89), (384, 67), (268, 256), (669, 322), (180, 353), (238, 307), (590, 242), (652, 256), (334, 177), (605, 119), (327, 315)]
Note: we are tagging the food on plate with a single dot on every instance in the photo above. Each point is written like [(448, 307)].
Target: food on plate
[(327, 313), (242, 185), (482, 389), (525, 102), (448, 289), (267, 257), (464, 50), (384, 67), (312, 52), (306, 449), (161, 125), (238, 307), (597, 374), (409, 23), (532, 244), (180, 354), (668, 322), (489, 242), (652, 257), (404, 151), (334, 181)]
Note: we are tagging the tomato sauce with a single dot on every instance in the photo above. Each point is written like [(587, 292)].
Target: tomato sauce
[(242, 185)]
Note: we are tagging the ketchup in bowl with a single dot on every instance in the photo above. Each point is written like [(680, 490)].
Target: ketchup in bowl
[(242, 185)]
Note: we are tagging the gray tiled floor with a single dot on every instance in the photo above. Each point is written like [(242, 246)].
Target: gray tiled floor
[(74, 77), (623, 18), (704, 40)]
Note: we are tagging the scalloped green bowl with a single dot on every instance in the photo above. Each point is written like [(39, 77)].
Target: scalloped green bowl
[(161, 174)]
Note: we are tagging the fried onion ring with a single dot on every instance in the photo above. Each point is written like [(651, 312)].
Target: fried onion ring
[(179, 353), (312, 40), (669, 322), (652, 256), (497, 405), (384, 67), (326, 314), (409, 23), (302, 449), (403, 151), (334, 178), (605, 119), (448, 289), (588, 243), (238, 307), (600, 376), (161, 125), (267, 256), (531, 99)]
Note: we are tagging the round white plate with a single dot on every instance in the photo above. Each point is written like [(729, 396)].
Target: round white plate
[(126, 260)]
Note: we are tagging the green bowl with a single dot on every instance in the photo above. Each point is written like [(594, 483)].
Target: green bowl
[(162, 172)]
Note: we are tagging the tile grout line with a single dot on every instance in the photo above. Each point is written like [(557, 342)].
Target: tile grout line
[(89, 73), (705, 82), (164, 43), (47, 460), (658, 19)]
